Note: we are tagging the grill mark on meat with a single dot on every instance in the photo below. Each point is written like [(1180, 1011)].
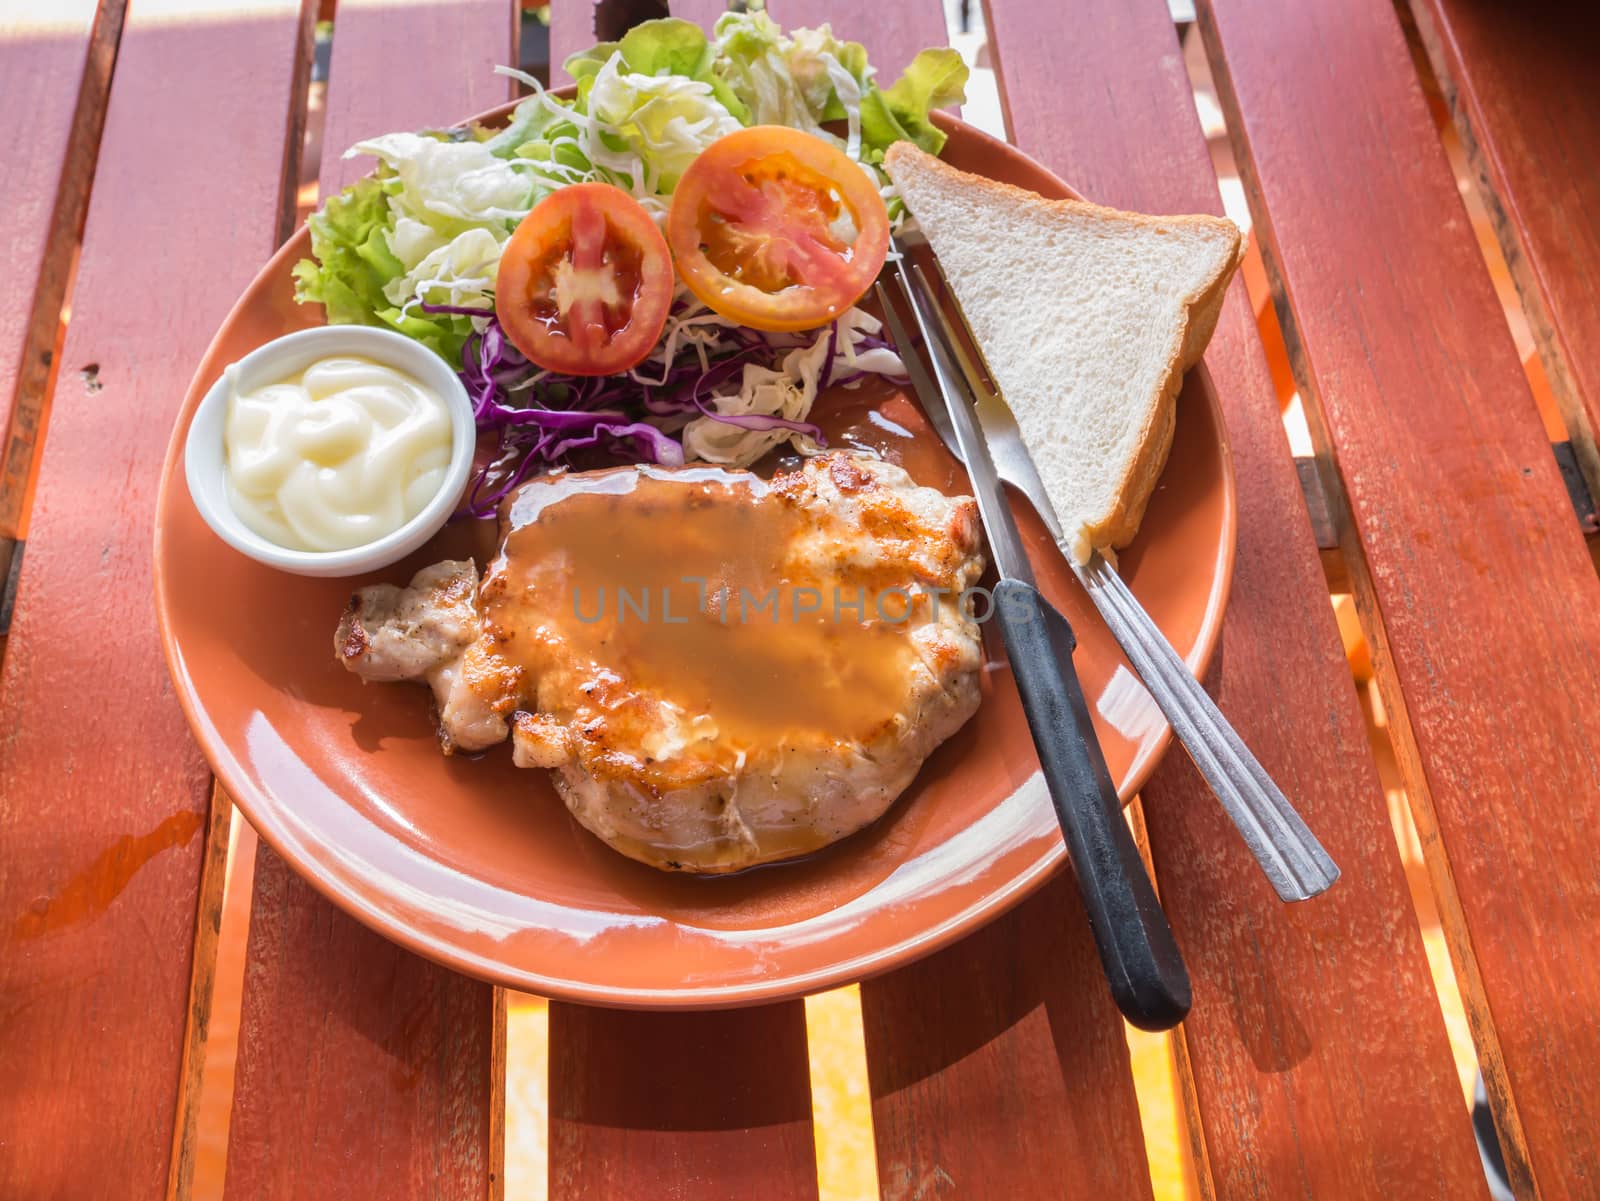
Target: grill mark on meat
[(354, 644)]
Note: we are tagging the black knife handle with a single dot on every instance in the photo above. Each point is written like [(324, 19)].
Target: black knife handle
[(1141, 960)]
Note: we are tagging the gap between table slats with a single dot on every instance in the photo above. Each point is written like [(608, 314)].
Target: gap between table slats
[(1321, 1014), (103, 796), (1473, 583), (1522, 92), (348, 1044), (709, 1106), (186, 1128), (295, 119), (55, 71)]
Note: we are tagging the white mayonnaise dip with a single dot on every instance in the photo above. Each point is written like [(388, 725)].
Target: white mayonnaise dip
[(344, 454)]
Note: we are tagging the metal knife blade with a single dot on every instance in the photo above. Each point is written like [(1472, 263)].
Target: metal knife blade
[(1005, 543)]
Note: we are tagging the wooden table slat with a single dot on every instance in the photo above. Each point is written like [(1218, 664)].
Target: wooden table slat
[(571, 30), (708, 1106), (1522, 87), (1322, 1014), (444, 53), (1473, 580), (103, 795), (391, 1060), (55, 68), (999, 1066), (363, 1070)]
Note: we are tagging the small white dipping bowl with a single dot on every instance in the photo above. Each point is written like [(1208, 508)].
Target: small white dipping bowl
[(205, 462)]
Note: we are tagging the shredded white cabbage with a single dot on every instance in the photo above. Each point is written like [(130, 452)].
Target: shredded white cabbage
[(458, 180), (788, 391), (458, 272), (664, 120), (692, 324), (454, 206), (457, 202)]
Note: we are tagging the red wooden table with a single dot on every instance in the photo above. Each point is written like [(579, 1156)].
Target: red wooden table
[(153, 153)]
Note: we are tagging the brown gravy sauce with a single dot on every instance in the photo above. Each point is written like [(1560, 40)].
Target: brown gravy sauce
[(880, 419), (606, 563)]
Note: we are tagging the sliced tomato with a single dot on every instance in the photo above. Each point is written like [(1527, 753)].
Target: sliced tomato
[(585, 282), (777, 229)]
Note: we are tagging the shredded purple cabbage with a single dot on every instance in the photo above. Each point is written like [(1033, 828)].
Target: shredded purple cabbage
[(543, 418)]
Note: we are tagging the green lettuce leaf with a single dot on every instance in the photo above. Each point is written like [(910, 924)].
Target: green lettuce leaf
[(934, 79), (784, 79), (655, 103), (352, 262), (666, 46), (534, 119), (586, 63)]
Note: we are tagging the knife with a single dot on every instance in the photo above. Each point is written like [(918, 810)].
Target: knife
[(1297, 865), (1142, 963)]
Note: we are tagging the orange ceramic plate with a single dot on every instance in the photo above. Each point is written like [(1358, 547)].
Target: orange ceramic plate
[(476, 864)]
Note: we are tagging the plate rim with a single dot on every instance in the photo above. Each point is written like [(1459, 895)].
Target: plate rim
[(395, 926)]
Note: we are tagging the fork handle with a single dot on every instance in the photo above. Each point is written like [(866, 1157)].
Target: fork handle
[(1289, 854), (1148, 979)]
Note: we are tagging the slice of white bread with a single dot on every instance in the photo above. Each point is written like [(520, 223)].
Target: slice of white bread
[(1087, 318)]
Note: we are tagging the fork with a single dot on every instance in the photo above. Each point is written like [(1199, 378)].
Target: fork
[(1289, 854)]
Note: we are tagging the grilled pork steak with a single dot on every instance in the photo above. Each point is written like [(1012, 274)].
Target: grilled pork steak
[(719, 670)]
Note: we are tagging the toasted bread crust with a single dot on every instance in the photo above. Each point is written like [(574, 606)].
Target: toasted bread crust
[(1203, 307), (1121, 524)]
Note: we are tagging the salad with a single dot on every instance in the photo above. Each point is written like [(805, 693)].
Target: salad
[(664, 266)]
